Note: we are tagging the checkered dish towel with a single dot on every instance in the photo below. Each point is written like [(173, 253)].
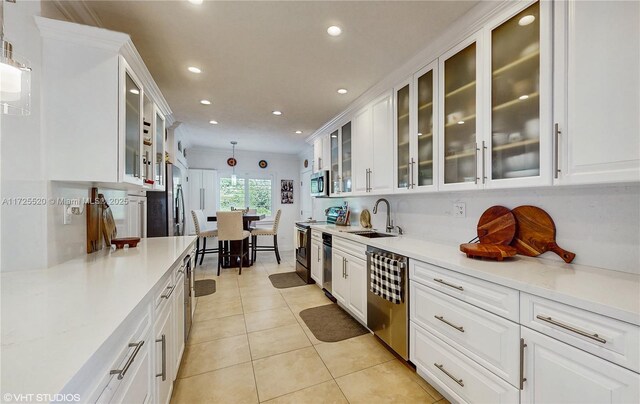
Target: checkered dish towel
[(386, 278)]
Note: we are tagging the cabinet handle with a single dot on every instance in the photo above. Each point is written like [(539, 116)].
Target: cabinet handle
[(595, 337), (166, 296), (413, 173), (319, 163), (484, 175), (123, 371), (409, 174), (557, 132), (441, 367), (346, 273), (163, 339), (522, 378), (343, 269), (201, 198), (457, 327), (475, 165), (448, 284)]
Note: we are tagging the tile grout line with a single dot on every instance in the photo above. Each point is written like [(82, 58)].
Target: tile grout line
[(253, 368)]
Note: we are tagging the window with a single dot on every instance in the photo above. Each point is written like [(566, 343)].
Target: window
[(256, 193)]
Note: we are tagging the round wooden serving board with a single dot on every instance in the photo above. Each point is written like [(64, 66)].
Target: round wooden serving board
[(497, 225), (536, 233), (492, 251)]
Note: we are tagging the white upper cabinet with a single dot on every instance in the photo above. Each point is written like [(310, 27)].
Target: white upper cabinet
[(516, 146), (495, 90), (100, 108), (596, 91), (460, 117), (373, 147), (340, 169), (321, 153), (415, 132)]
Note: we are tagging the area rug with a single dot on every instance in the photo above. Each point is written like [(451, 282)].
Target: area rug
[(286, 280), (330, 323), (205, 287)]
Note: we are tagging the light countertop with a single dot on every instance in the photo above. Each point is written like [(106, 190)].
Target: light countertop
[(54, 319), (610, 293)]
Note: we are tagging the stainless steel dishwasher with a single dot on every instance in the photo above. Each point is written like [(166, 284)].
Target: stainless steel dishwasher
[(390, 321)]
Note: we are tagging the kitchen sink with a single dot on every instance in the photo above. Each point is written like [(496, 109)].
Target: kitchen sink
[(372, 234)]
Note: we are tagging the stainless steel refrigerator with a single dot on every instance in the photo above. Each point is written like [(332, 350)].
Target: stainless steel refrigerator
[(165, 209)]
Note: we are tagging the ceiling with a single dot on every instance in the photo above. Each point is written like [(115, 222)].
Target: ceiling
[(257, 57)]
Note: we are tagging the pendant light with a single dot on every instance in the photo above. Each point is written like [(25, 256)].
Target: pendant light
[(15, 77), (234, 178)]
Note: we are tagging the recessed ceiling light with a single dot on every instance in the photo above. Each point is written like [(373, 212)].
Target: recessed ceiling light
[(526, 20), (523, 97), (276, 113), (212, 122), (334, 30), (198, 2), (134, 91), (298, 132), (194, 69), (205, 102), (342, 91)]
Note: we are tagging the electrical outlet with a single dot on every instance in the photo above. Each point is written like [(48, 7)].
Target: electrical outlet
[(459, 209)]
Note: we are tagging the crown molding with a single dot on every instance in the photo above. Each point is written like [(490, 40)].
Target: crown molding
[(468, 24), (121, 43), (78, 11)]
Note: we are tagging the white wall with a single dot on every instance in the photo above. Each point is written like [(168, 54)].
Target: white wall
[(600, 224), (280, 166)]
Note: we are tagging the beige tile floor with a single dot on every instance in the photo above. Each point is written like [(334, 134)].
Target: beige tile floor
[(248, 344)]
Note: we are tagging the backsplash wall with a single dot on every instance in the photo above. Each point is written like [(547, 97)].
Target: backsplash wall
[(601, 224)]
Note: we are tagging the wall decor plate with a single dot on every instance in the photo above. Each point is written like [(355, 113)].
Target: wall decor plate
[(306, 163), (232, 162), (263, 164)]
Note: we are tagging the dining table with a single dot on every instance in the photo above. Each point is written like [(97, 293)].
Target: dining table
[(234, 246)]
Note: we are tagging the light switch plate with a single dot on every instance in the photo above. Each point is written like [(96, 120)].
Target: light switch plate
[(459, 209)]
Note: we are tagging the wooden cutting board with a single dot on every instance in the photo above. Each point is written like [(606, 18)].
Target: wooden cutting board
[(492, 251), (536, 233), (365, 219), (497, 225), (109, 230), (94, 222)]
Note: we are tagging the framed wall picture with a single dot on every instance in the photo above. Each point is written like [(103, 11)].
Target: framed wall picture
[(286, 192)]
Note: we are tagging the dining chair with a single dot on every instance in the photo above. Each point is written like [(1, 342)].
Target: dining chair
[(272, 231), (230, 229), (203, 231)]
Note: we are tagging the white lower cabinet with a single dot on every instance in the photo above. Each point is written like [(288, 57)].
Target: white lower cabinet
[(461, 379), (349, 277), (559, 373), (316, 261), (488, 339), (164, 341)]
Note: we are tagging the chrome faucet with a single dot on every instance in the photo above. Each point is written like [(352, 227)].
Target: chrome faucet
[(389, 221)]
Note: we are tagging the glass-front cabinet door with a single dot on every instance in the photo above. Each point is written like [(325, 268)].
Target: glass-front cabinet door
[(403, 136), (425, 138), (459, 117), (159, 146), (132, 129), (517, 93), (345, 158), (335, 162)]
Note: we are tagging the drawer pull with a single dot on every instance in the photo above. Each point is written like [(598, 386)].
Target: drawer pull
[(448, 284), (457, 327), (441, 367), (123, 371), (163, 374), (522, 378), (594, 337), (170, 288)]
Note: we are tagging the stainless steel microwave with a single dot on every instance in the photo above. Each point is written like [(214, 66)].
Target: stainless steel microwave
[(320, 184)]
